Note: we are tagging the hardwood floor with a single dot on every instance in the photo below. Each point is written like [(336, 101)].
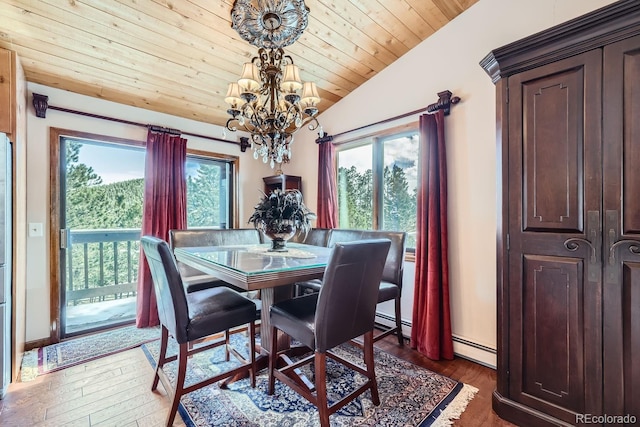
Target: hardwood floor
[(115, 391), (478, 412)]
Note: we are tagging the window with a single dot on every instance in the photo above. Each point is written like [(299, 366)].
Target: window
[(209, 191), (377, 182)]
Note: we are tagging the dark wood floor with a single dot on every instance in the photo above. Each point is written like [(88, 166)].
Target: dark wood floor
[(114, 391), (478, 412)]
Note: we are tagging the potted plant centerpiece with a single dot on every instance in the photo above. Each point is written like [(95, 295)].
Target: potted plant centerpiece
[(280, 215)]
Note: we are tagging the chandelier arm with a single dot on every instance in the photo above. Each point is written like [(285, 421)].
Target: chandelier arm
[(313, 122), (232, 129), (297, 117)]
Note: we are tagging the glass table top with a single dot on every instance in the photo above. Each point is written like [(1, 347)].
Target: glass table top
[(256, 259)]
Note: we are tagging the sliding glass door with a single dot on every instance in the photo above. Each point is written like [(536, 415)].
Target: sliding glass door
[(101, 215)]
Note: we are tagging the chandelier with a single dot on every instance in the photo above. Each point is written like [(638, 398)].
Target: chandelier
[(269, 100)]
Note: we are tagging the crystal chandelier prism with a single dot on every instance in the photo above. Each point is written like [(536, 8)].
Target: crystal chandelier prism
[(269, 100)]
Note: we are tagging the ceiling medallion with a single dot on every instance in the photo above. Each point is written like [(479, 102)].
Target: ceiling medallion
[(269, 100), (271, 24)]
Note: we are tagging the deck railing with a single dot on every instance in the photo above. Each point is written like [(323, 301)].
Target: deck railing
[(101, 265)]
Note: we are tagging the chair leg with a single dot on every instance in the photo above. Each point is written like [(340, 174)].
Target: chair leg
[(226, 345), (399, 323), (320, 361), (252, 353), (273, 357), (164, 340), (369, 361), (179, 391)]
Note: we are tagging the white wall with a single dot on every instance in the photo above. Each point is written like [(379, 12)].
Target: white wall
[(38, 267), (449, 60)]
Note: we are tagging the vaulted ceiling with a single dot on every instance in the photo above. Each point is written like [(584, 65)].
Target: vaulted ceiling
[(178, 56)]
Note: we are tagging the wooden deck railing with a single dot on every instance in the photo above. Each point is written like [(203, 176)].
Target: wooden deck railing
[(102, 265)]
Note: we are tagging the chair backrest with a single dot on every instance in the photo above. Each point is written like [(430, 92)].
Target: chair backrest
[(347, 301), (394, 265), (315, 236), (210, 237), (167, 285)]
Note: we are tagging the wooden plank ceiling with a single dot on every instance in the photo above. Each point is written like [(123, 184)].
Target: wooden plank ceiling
[(178, 56)]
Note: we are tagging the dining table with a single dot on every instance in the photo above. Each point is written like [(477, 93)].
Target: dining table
[(255, 267)]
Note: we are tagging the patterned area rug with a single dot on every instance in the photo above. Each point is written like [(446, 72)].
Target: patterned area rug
[(80, 350), (410, 395)]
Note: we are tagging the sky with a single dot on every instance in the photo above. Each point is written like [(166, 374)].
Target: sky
[(113, 164), (116, 163), (403, 152)]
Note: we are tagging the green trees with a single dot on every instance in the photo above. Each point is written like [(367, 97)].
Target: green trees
[(114, 205), (78, 178), (399, 204), (205, 210), (92, 205), (355, 204), (355, 193)]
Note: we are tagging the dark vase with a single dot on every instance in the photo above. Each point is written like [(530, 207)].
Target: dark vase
[(279, 231)]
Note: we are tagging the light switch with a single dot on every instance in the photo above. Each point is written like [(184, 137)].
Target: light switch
[(35, 229)]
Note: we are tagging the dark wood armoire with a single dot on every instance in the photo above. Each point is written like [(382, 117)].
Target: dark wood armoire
[(568, 126)]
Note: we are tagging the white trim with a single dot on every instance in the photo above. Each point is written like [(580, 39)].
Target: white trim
[(462, 347), (475, 352)]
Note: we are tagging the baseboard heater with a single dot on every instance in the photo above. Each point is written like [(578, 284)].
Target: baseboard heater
[(479, 353)]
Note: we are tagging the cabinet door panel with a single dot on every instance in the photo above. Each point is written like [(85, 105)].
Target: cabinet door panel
[(631, 139), (552, 154), (553, 361), (621, 160), (631, 338), (555, 193)]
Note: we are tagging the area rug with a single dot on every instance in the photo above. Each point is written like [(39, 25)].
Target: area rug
[(409, 395), (84, 349)]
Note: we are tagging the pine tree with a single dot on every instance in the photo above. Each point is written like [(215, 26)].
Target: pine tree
[(204, 210), (355, 193)]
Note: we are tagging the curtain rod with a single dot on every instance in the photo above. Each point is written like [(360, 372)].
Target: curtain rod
[(41, 104), (444, 102)]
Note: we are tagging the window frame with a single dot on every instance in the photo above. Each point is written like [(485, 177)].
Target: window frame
[(376, 140), (234, 161)]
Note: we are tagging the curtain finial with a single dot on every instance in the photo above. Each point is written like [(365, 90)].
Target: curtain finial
[(325, 138), (444, 102)]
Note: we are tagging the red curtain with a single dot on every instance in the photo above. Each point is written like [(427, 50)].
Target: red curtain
[(431, 326), (165, 200), (327, 187)]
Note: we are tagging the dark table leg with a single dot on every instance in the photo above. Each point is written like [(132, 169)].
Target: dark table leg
[(270, 296)]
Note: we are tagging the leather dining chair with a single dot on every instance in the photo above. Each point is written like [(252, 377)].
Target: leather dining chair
[(189, 317), (391, 284), (315, 236), (194, 279), (344, 308)]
